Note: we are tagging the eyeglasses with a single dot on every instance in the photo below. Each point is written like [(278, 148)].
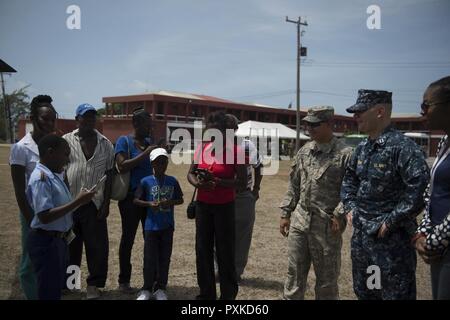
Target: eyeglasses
[(425, 106), (313, 124)]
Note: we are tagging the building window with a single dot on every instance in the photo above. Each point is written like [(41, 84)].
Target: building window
[(284, 119), (160, 110)]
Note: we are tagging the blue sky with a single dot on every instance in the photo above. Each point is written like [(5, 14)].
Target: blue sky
[(237, 49)]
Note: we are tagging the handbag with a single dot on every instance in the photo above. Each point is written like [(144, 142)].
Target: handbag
[(191, 207), (121, 181)]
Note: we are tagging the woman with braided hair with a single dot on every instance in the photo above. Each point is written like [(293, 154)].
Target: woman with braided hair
[(23, 158)]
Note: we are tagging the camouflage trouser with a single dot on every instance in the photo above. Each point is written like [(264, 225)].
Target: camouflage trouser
[(396, 259), (321, 247)]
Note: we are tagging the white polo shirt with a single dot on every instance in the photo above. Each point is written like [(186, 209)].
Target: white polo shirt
[(83, 173), (25, 153)]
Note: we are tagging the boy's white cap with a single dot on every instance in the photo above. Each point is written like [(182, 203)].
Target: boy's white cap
[(158, 152)]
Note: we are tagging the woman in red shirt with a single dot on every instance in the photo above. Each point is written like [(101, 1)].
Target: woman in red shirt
[(217, 173)]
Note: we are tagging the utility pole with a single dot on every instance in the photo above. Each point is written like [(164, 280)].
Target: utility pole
[(299, 46), (8, 126)]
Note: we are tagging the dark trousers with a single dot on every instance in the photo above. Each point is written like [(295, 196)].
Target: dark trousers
[(130, 215), (157, 252), (215, 225), (440, 278), (93, 232), (48, 257), (393, 255)]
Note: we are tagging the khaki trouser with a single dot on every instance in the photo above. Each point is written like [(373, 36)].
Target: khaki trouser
[(244, 221), (321, 247)]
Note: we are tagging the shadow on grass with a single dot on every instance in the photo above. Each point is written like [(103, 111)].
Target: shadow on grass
[(173, 292), (261, 283)]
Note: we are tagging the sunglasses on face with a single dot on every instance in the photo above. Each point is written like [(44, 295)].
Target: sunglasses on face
[(313, 124), (425, 106)]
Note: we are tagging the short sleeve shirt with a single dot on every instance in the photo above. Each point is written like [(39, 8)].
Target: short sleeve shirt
[(25, 153), (219, 165), (150, 189), (125, 145), (46, 191)]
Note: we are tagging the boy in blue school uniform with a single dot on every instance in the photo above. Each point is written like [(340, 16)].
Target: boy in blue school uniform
[(52, 204), (158, 193)]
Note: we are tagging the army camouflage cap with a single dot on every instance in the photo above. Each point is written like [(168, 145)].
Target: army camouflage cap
[(319, 114), (369, 98)]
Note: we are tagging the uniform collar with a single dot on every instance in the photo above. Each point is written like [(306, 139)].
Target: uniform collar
[(29, 143), (45, 170), (383, 138), (324, 147)]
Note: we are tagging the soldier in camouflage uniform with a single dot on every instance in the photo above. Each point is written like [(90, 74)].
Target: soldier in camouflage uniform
[(312, 215), (382, 192)]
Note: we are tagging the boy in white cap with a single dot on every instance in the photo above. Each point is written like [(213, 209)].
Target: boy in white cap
[(158, 193)]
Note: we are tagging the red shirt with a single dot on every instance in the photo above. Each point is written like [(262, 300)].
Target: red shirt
[(217, 164)]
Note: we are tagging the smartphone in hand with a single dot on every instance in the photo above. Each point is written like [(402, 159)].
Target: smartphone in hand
[(95, 187)]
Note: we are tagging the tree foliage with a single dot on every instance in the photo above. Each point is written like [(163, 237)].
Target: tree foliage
[(19, 104)]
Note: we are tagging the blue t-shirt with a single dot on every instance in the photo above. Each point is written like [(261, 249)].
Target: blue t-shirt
[(150, 189), (440, 196), (143, 169)]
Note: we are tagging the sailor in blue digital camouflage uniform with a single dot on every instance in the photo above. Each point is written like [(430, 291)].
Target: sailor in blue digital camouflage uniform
[(382, 192)]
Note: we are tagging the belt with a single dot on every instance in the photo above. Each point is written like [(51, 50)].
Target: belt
[(54, 234)]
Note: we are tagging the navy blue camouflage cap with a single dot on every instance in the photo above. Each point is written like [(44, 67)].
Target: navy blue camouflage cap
[(369, 98), (319, 114)]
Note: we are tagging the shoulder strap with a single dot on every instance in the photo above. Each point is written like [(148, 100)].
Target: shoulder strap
[(193, 195), (203, 145), (129, 150)]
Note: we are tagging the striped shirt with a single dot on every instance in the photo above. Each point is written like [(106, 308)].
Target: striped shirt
[(86, 173)]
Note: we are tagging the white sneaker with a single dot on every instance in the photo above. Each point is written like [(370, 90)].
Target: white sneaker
[(144, 295), (92, 293), (160, 295)]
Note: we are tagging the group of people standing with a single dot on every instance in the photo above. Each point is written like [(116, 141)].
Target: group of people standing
[(63, 189), (379, 189)]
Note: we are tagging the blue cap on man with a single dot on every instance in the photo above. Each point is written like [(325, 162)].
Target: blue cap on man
[(83, 108), (370, 98)]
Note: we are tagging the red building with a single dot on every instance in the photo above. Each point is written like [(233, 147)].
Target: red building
[(171, 110)]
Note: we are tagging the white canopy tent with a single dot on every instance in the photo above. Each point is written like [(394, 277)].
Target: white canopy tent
[(419, 135), (267, 129)]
